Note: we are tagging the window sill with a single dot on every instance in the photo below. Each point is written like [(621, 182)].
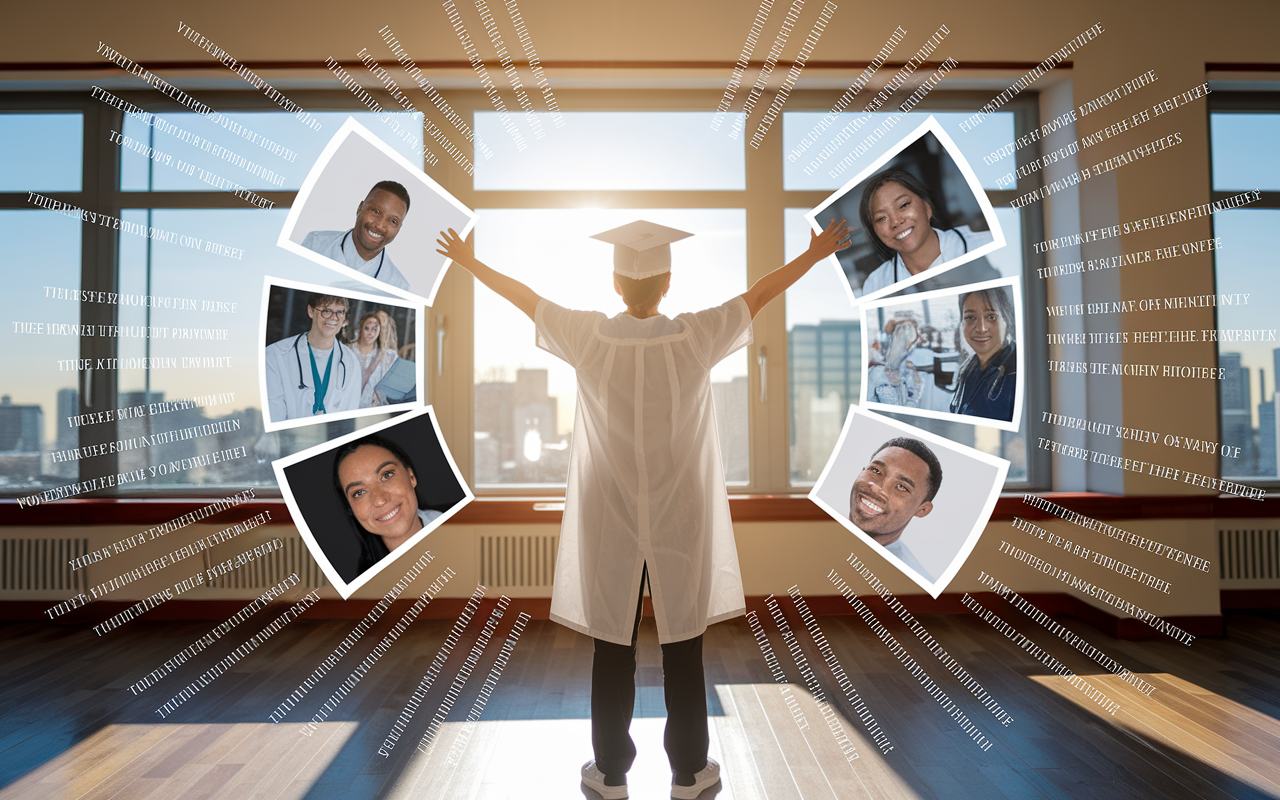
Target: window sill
[(549, 510)]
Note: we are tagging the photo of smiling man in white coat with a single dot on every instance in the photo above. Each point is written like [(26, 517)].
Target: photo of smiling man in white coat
[(646, 497)]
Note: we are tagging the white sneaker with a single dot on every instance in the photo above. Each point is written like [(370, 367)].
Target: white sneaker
[(593, 779), (709, 776)]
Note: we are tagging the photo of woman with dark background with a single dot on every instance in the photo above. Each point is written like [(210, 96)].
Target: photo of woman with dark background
[(364, 498)]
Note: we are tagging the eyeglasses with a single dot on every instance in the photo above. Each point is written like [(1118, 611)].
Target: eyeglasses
[(330, 313)]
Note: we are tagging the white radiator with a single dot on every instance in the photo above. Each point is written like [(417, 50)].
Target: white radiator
[(1249, 558), (515, 561)]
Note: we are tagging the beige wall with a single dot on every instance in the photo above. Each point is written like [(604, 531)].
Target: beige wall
[(773, 557)]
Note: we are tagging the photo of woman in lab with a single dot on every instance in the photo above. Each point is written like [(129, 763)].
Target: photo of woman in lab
[(949, 354)]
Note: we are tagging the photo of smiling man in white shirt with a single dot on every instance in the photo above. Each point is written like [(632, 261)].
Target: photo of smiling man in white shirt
[(363, 246), (897, 486)]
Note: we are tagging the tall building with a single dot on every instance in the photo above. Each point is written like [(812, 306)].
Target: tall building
[(68, 438), (824, 363), (20, 451), (1265, 444), (1237, 418), (1266, 466), (516, 437)]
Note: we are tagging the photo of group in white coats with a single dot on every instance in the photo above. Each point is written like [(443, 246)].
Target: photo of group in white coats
[(335, 355)]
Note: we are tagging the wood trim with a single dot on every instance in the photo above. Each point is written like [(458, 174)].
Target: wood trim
[(1249, 599), (427, 65), (546, 510), (1248, 66), (1054, 604)]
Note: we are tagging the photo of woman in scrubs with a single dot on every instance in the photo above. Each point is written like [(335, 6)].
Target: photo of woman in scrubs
[(988, 378), (907, 229)]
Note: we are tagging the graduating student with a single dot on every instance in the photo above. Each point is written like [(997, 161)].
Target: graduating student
[(313, 372), (896, 487), (646, 498), (363, 247)]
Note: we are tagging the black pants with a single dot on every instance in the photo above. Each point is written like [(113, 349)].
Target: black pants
[(613, 699)]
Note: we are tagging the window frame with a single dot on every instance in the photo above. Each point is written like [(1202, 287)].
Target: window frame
[(1259, 101), (450, 369)]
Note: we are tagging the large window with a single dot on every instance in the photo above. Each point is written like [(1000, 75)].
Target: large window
[(505, 406), (824, 334), (1243, 130)]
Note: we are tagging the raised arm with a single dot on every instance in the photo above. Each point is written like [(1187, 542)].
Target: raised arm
[(821, 245), (519, 295)]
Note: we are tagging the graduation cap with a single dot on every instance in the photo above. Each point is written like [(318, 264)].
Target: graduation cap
[(641, 249)]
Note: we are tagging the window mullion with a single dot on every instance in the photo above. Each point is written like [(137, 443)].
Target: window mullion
[(770, 462)]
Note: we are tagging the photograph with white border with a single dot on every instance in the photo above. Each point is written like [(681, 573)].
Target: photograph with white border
[(918, 500), (363, 348), (397, 478), (917, 212), (367, 212), (953, 354)]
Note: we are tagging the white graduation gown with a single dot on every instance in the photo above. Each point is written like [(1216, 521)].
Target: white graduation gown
[(645, 478), (337, 245), (952, 243), (288, 366)]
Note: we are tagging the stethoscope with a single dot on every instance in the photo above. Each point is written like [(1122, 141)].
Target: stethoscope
[(896, 256), (341, 362), (342, 245), (958, 403)]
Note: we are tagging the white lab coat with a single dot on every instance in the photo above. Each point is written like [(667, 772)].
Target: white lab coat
[(288, 366), (900, 549), (953, 243), (645, 479), (386, 359), (337, 245)]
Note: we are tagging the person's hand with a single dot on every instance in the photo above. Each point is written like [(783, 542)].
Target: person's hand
[(455, 248), (835, 237)]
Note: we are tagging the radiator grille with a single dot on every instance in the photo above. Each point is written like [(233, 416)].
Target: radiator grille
[(272, 568), (1249, 554), (39, 564), (510, 561)]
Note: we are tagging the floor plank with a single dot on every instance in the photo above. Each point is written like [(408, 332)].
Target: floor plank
[(71, 728)]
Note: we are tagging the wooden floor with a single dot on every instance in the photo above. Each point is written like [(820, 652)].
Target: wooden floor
[(70, 728)]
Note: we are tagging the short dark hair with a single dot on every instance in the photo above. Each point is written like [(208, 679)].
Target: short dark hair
[(922, 451), (395, 188), (372, 548), (911, 183), (642, 292), (317, 300)]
